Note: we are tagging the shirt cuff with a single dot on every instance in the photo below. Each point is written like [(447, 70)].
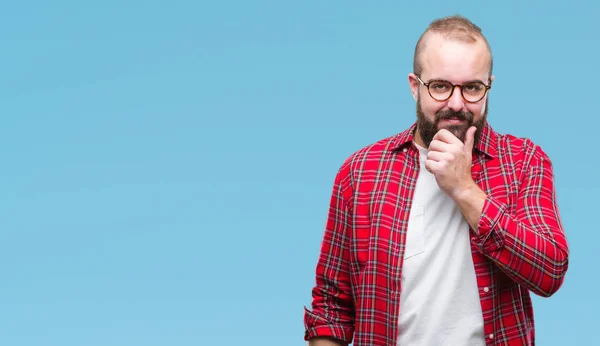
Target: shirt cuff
[(318, 326), (490, 237)]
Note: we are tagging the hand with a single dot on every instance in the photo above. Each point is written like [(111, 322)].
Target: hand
[(449, 160)]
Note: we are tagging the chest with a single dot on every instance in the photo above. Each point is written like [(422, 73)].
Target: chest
[(384, 197)]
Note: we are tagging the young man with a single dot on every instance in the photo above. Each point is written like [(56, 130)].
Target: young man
[(437, 235)]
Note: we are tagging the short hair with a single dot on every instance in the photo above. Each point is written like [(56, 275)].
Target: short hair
[(454, 27)]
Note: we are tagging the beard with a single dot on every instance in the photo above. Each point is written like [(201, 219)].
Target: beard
[(427, 129)]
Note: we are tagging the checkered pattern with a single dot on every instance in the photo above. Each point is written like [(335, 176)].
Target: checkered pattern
[(519, 246)]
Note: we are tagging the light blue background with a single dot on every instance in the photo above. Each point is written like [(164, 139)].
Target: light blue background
[(167, 165)]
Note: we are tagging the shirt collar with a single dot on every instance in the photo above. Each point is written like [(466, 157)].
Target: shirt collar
[(487, 141)]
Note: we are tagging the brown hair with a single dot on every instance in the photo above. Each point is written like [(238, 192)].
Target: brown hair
[(453, 27)]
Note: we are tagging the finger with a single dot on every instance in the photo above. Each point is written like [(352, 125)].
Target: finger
[(436, 156), (438, 145), (446, 136), (470, 139), (432, 166)]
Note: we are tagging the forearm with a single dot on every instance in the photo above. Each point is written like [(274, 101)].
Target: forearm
[(529, 253), (470, 202), (532, 254), (332, 314), (321, 341)]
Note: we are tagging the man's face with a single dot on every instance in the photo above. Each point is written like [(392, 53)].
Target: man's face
[(457, 122), (458, 63)]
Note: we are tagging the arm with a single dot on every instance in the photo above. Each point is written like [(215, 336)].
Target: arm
[(333, 309), (529, 246), (322, 341)]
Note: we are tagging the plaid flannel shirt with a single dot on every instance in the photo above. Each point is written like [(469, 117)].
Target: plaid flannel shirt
[(519, 246)]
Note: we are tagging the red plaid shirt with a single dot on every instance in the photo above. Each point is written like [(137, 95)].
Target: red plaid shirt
[(519, 246)]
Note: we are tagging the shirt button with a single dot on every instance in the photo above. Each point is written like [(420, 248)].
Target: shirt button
[(486, 290), (404, 150), (491, 336)]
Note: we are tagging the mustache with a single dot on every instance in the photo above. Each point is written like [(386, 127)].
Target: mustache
[(450, 114)]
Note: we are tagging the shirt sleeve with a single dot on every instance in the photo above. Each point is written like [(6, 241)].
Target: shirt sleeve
[(529, 246), (332, 312)]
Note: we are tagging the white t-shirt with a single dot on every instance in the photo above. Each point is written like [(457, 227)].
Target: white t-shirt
[(439, 303)]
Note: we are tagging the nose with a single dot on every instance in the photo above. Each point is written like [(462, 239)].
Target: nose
[(456, 101)]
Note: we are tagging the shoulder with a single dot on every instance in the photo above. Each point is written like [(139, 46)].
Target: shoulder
[(374, 155), (364, 165), (522, 153), (520, 147), (369, 162)]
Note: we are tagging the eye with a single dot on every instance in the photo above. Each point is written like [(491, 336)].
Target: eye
[(473, 87), (440, 86)]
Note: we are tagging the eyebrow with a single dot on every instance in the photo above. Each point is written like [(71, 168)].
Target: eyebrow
[(445, 80)]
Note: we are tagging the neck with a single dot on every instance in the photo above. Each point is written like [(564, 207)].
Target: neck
[(417, 138)]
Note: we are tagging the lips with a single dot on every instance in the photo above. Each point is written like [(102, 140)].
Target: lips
[(453, 120)]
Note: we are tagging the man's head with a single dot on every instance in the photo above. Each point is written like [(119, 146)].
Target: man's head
[(452, 51)]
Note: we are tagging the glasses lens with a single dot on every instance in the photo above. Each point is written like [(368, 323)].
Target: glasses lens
[(440, 90), (473, 92)]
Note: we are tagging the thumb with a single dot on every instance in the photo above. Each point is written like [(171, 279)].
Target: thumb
[(470, 139)]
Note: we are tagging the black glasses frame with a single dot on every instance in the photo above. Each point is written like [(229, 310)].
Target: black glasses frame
[(487, 87)]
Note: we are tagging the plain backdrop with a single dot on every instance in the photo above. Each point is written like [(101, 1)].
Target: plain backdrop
[(167, 165)]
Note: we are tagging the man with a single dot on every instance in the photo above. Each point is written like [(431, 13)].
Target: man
[(436, 235)]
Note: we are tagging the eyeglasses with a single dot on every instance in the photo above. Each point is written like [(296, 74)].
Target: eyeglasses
[(442, 90)]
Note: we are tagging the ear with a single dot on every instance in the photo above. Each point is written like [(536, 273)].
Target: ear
[(413, 83)]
